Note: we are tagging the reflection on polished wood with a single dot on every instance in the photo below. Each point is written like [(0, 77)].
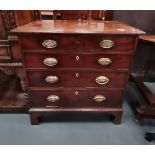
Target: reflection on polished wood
[(82, 27)]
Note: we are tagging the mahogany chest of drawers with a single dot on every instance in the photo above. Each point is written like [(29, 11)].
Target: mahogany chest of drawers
[(76, 66)]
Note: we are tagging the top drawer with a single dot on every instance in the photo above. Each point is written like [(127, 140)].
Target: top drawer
[(70, 42)]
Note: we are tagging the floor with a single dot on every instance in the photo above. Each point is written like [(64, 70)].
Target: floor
[(76, 128)]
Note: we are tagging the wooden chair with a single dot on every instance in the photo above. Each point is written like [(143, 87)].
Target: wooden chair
[(46, 14), (72, 14), (148, 110), (77, 14)]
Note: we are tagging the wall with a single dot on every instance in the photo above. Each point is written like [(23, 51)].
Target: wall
[(145, 56)]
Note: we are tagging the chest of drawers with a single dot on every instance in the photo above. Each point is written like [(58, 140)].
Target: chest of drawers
[(75, 66)]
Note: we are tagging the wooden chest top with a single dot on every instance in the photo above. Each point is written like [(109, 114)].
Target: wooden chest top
[(76, 27)]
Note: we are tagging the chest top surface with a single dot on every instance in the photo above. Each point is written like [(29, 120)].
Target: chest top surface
[(76, 27)]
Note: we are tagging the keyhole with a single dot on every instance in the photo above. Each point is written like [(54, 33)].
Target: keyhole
[(77, 75), (76, 92), (77, 58)]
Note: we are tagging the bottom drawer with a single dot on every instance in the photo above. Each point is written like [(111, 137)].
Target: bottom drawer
[(76, 97)]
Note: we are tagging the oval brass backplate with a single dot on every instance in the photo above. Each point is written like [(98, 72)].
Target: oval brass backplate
[(99, 98), (49, 43), (102, 80), (104, 61), (50, 61), (106, 43), (51, 79), (53, 98)]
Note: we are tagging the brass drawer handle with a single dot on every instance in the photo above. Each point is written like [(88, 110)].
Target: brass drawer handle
[(49, 43), (102, 80), (99, 98), (51, 79), (53, 98), (50, 61), (104, 61), (106, 43)]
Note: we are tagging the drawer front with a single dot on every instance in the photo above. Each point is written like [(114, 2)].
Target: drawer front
[(63, 60), (95, 42), (78, 78), (76, 98)]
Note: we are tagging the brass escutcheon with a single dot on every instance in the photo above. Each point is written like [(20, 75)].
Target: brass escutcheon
[(77, 75), (77, 58)]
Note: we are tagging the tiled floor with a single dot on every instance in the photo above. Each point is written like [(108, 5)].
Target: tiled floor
[(74, 129)]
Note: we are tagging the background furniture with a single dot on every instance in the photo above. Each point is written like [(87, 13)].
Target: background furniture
[(46, 14), (77, 14), (10, 60), (76, 66), (148, 110)]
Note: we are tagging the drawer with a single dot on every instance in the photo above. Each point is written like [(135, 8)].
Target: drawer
[(76, 98), (76, 78), (70, 42), (77, 60)]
